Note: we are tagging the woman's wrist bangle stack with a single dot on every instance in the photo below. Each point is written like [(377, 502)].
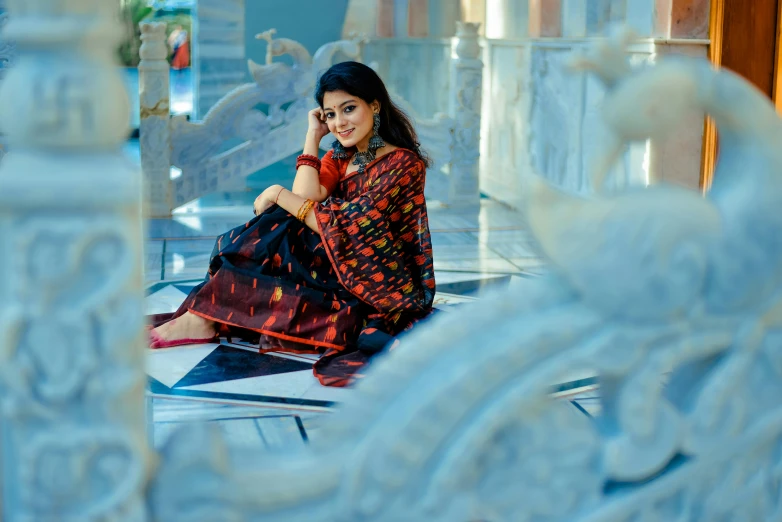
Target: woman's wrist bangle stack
[(305, 208), (309, 160)]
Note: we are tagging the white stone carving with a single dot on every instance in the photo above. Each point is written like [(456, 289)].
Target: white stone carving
[(208, 165), (197, 147), (541, 120), (71, 374), (466, 95), (457, 423), (643, 283), (154, 130)]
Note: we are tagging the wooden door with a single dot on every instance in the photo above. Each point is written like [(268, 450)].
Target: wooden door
[(745, 38)]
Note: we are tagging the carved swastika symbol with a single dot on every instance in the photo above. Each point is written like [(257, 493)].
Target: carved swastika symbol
[(62, 104)]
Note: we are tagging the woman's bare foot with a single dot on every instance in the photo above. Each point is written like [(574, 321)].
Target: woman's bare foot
[(186, 326)]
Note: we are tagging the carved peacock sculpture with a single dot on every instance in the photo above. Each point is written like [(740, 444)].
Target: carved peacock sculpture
[(665, 256)]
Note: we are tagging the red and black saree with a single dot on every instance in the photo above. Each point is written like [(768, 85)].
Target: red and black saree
[(347, 291)]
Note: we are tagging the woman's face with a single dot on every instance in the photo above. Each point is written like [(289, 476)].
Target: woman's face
[(349, 118)]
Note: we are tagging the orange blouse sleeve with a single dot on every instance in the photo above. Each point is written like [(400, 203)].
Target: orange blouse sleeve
[(330, 172)]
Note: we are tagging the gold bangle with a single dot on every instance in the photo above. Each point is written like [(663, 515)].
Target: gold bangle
[(305, 208)]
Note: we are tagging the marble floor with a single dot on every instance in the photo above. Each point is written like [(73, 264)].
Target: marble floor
[(273, 400)]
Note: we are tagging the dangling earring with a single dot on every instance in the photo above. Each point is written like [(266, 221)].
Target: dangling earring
[(375, 142), (338, 151)]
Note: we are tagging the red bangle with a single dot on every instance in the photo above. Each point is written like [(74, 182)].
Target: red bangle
[(278, 195), (308, 160)]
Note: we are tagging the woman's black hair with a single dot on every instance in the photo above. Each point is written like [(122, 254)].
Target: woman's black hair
[(360, 80)]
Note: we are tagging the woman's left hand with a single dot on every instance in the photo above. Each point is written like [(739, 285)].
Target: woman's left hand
[(265, 201)]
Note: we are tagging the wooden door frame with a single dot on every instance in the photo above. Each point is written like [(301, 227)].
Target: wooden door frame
[(728, 47), (709, 149), (778, 62)]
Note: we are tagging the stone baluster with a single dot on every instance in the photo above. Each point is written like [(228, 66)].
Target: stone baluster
[(465, 108), (154, 131), (71, 322)]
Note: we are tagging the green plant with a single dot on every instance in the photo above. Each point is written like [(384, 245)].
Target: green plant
[(132, 13)]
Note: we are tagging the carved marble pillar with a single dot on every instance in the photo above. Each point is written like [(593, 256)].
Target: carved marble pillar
[(466, 95), (71, 349), (154, 130)]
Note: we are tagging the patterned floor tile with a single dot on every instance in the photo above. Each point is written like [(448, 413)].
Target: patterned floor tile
[(165, 300), (170, 365), (226, 363)]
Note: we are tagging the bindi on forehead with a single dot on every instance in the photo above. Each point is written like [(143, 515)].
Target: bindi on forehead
[(337, 100), (340, 105)]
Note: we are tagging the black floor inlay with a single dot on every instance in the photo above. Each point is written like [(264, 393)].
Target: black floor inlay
[(227, 364)]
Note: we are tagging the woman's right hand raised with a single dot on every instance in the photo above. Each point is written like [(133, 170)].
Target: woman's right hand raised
[(317, 124)]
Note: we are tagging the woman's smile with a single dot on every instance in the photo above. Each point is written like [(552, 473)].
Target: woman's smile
[(345, 133)]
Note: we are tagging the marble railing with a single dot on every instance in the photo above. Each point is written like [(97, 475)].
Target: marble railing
[(673, 298), (545, 121), (539, 119), (236, 138), (417, 69)]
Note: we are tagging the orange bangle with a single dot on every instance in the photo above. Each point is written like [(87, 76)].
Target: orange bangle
[(305, 208), (278, 195)]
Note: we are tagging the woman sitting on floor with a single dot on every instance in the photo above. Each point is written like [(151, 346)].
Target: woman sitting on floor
[(343, 261)]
